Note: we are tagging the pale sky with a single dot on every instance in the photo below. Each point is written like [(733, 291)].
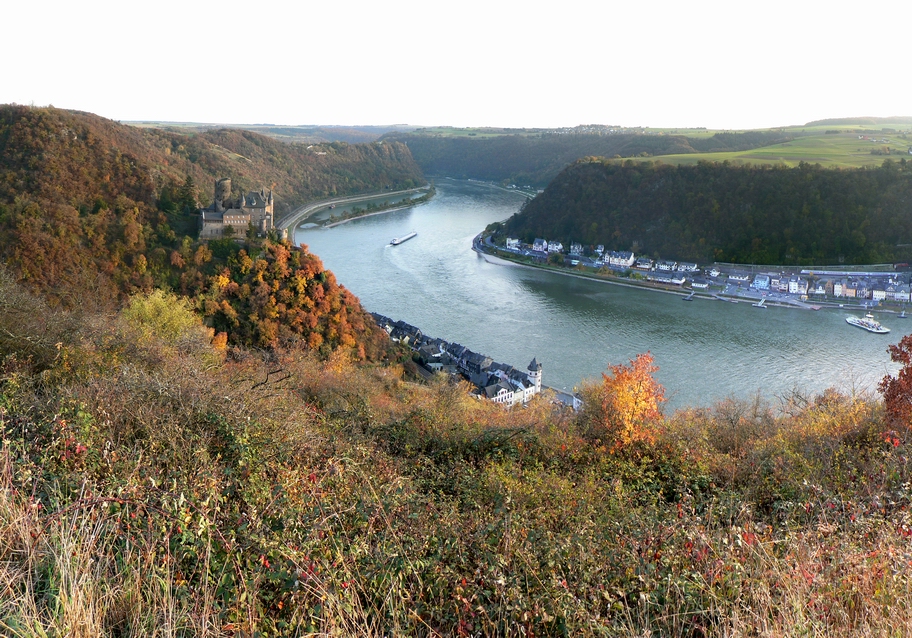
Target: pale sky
[(725, 64)]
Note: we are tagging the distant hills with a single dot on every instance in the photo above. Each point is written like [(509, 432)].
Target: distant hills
[(725, 212), (535, 158), (862, 121), (288, 133)]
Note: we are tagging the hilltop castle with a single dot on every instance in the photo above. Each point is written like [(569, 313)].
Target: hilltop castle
[(253, 208)]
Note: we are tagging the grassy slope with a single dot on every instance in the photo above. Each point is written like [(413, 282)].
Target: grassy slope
[(151, 484)]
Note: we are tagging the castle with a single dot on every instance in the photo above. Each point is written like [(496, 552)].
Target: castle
[(253, 208)]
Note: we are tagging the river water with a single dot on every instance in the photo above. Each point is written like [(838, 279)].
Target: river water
[(705, 350)]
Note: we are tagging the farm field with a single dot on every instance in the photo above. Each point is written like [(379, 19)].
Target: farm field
[(843, 149)]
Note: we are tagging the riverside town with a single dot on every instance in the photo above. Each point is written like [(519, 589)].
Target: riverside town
[(882, 285), (497, 382)]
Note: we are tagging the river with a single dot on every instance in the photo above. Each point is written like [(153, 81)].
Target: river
[(705, 350)]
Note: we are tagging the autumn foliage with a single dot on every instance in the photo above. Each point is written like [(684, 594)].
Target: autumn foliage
[(284, 296), (623, 408), (88, 203), (897, 391)]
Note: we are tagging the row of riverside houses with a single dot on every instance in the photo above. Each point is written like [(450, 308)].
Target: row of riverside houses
[(889, 287), (617, 259), (877, 287), (497, 382)]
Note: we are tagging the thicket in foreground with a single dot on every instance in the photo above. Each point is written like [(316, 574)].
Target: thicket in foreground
[(152, 483)]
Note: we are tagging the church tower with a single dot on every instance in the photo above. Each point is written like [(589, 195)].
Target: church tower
[(535, 374)]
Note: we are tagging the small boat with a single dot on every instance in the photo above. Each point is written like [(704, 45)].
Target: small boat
[(398, 240), (867, 323)]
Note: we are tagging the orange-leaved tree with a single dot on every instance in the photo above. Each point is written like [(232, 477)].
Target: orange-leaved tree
[(624, 408), (897, 391)]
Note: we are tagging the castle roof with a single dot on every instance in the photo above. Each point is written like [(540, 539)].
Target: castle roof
[(254, 199)]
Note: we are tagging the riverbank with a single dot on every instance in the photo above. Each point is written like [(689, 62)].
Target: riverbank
[(606, 279), (301, 214), (358, 213), (379, 212), (482, 246)]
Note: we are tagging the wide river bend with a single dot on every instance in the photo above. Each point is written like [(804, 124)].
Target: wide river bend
[(706, 350)]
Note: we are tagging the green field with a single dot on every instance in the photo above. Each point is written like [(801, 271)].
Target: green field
[(843, 149)]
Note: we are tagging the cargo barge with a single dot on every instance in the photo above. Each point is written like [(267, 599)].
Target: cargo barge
[(404, 238)]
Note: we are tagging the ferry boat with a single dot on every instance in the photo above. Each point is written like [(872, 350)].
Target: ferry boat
[(398, 240), (868, 323)]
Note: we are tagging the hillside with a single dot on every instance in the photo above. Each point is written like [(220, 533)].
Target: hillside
[(153, 482), (214, 440), (721, 212), (536, 157), (83, 197)]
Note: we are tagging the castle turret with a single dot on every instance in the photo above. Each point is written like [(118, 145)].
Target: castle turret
[(535, 374), (222, 193)]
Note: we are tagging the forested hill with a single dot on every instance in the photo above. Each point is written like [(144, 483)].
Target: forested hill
[(721, 212), (62, 148), (535, 159), (81, 195)]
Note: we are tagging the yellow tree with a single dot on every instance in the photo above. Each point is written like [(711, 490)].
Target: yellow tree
[(624, 407)]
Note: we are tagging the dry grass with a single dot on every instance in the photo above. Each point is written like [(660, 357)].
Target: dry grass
[(162, 488)]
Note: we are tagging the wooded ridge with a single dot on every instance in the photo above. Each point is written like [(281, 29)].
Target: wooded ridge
[(720, 212)]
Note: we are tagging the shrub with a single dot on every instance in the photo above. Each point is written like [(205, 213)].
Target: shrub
[(897, 391), (625, 406)]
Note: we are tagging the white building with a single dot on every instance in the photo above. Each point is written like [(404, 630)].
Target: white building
[(797, 286), (621, 259)]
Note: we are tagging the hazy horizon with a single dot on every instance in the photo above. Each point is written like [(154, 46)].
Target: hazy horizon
[(706, 64), (484, 126)]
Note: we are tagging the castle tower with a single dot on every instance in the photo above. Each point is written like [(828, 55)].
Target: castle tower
[(535, 374), (222, 193)]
